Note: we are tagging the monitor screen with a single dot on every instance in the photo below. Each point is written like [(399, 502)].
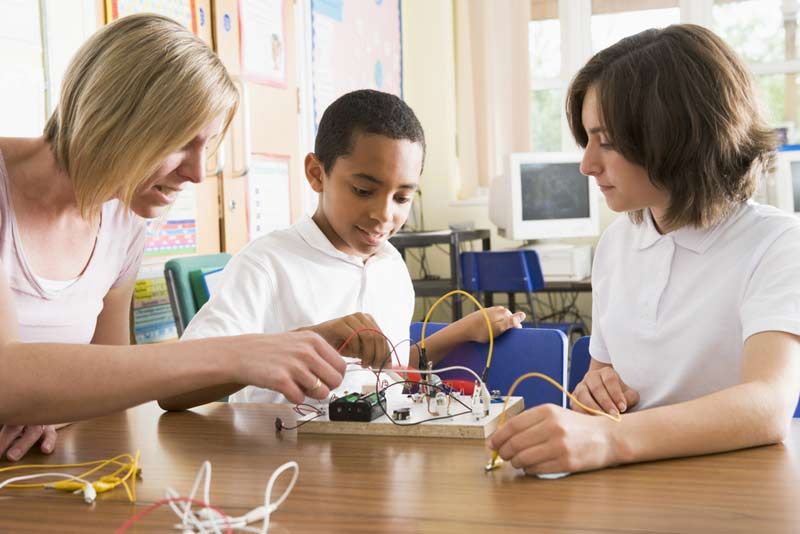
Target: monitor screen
[(795, 166), (553, 191)]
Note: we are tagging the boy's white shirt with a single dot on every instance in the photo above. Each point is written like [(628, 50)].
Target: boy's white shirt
[(671, 312), (295, 278)]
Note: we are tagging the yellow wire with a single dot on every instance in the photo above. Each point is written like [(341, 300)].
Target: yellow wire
[(481, 308), (501, 420), (103, 484)]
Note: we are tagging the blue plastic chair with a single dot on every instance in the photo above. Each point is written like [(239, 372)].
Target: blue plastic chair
[(580, 360), (510, 271), (516, 352)]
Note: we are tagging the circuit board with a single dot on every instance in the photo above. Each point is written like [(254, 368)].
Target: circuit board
[(459, 424)]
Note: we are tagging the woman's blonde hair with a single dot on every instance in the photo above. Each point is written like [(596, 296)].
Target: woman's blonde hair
[(136, 91), (679, 102)]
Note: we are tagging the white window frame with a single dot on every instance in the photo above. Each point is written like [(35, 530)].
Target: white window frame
[(576, 48)]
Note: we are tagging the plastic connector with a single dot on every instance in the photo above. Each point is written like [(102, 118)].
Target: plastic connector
[(89, 493), (481, 399)]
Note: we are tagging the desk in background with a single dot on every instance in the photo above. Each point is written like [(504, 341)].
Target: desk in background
[(388, 484), (453, 239)]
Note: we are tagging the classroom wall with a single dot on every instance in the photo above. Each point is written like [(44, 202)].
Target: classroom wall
[(430, 89)]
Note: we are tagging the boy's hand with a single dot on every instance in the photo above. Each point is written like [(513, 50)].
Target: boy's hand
[(603, 389), (501, 318), (17, 440), (370, 346)]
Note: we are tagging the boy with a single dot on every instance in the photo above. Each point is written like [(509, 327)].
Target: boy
[(367, 160)]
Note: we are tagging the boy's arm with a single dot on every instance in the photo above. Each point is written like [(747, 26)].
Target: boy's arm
[(755, 412), (470, 328), (238, 307)]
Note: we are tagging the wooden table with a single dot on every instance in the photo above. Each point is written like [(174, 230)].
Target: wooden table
[(378, 484)]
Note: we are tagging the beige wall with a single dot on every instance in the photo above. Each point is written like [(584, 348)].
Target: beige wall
[(430, 89)]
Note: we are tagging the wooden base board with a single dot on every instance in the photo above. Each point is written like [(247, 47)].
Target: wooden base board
[(462, 426)]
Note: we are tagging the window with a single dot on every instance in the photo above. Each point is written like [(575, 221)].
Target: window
[(764, 33), (563, 35), (544, 37)]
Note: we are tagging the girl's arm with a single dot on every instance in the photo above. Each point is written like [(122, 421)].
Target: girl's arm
[(756, 412)]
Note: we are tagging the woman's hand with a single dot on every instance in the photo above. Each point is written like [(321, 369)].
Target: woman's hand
[(551, 439), (500, 317), (17, 440), (297, 364), (603, 389)]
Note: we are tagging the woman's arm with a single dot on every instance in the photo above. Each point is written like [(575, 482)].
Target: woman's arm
[(113, 323), (756, 412), (46, 383)]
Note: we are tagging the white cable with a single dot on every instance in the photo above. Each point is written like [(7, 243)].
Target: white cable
[(209, 518), (89, 493)]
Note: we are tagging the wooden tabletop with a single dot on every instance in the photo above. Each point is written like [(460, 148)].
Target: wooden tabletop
[(389, 484)]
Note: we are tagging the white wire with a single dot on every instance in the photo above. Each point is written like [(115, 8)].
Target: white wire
[(89, 494), (192, 523)]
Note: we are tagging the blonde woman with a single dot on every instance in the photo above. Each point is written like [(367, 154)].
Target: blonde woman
[(141, 101)]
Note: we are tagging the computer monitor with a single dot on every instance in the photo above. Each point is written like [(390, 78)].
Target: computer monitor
[(544, 196), (787, 180)]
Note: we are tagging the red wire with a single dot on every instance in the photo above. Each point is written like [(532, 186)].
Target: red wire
[(158, 504), (356, 332)]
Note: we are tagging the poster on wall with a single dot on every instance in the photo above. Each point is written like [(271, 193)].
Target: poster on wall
[(268, 196), (152, 314), (182, 11), (176, 233), (263, 41), (355, 44)]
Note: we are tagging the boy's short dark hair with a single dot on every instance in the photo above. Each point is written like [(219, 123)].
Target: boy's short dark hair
[(364, 112), (679, 102)]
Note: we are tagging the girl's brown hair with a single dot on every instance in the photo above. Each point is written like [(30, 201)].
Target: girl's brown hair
[(679, 102)]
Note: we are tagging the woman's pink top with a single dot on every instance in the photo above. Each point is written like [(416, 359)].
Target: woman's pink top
[(70, 314)]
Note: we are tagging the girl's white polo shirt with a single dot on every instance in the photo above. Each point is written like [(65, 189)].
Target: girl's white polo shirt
[(295, 278), (671, 312)]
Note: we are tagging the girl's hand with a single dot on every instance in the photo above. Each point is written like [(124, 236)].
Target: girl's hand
[(603, 389), (551, 439)]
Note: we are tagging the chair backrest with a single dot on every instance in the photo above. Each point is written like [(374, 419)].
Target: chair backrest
[(579, 362), (502, 271), (518, 351), (179, 273)]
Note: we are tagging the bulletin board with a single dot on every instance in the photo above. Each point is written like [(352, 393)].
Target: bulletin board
[(268, 194), (182, 11), (355, 44), (262, 41)]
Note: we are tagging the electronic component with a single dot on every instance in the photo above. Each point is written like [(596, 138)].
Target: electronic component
[(401, 414), (355, 407), (480, 400), (441, 404)]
